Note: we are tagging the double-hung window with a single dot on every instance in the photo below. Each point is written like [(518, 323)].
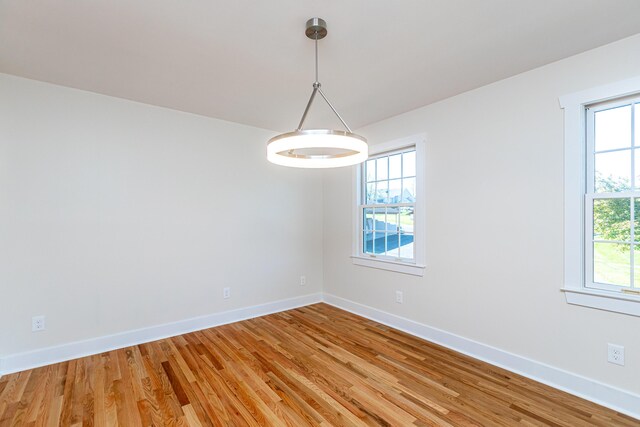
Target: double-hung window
[(612, 202), (389, 225), (602, 197), (389, 204)]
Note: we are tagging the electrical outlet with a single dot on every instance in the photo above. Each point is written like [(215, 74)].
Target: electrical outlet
[(37, 323), (616, 354), (399, 297), (303, 280), (226, 293)]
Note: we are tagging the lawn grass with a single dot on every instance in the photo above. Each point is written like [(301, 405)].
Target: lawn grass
[(611, 263)]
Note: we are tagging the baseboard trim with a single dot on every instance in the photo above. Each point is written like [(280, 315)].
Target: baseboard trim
[(60, 353), (619, 400)]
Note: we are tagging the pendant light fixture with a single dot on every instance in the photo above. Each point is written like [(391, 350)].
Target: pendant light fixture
[(317, 148)]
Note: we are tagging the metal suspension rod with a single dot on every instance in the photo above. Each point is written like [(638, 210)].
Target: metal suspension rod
[(306, 110), (334, 110), (317, 81), (316, 30)]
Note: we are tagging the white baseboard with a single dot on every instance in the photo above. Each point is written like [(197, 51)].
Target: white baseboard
[(60, 353), (619, 400)]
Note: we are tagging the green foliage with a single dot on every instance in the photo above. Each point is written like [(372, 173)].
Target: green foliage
[(612, 217), (610, 184)]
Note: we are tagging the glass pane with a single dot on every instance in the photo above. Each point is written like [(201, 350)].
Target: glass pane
[(613, 171), (406, 220), (382, 168), (367, 241), (370, 170), (637, 125), (409, 164), (378, 243), (395, 188), (371, 194), (395, 166), (636, 221), (612, 219), (393, 229), (636, 159), (381, 243), (636, 266), (393, 245), (379, 220), (393, 218), (367, 219), (393, 238), (611, 263), (382, 192), (613, 128), (408, 190), (406, 245)]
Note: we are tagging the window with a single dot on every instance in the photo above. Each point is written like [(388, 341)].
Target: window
[(388, 204), (388, 208), (612, 202), (602, 197)]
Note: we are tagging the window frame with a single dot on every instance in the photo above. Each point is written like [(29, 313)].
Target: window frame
[(576, 228), (591, 194), (375, 206), (358, 256)]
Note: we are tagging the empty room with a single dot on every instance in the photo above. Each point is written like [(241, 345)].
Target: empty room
[(320, 213)]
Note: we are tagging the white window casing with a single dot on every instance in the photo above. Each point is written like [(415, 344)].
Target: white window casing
[(415, 266), (578, 285)]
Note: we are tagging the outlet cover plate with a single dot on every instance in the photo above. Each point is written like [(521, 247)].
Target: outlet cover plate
[(37, 323), (399, 297), (615, 354)]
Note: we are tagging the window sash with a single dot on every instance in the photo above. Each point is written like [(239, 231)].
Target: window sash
[(362, 205), (386, 231), (591, 195), (589, 240)]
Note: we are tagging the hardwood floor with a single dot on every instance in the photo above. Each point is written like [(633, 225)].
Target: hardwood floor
[(315, 365)]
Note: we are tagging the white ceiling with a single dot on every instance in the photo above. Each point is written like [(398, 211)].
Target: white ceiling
[(249, 61)]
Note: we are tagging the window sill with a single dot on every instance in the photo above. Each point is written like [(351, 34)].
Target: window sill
[(603, 300), (399, 267)]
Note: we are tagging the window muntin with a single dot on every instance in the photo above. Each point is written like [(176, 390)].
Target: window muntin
[(387, 206), (612, 201)]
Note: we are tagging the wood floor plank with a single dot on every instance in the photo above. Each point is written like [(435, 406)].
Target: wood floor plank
[(312, 366)]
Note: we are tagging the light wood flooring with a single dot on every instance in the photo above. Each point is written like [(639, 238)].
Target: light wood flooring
[(315, 365)]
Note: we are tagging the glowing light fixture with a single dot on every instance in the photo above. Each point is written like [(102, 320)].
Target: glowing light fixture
[(317, 148)]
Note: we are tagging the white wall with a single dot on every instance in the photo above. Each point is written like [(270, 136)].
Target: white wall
[(116, 215), (494, 220)]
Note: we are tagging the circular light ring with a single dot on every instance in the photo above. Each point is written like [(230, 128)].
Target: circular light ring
[(281, 148)]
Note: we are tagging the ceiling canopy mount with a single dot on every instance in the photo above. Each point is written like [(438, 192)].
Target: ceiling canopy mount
[(316, 29)]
